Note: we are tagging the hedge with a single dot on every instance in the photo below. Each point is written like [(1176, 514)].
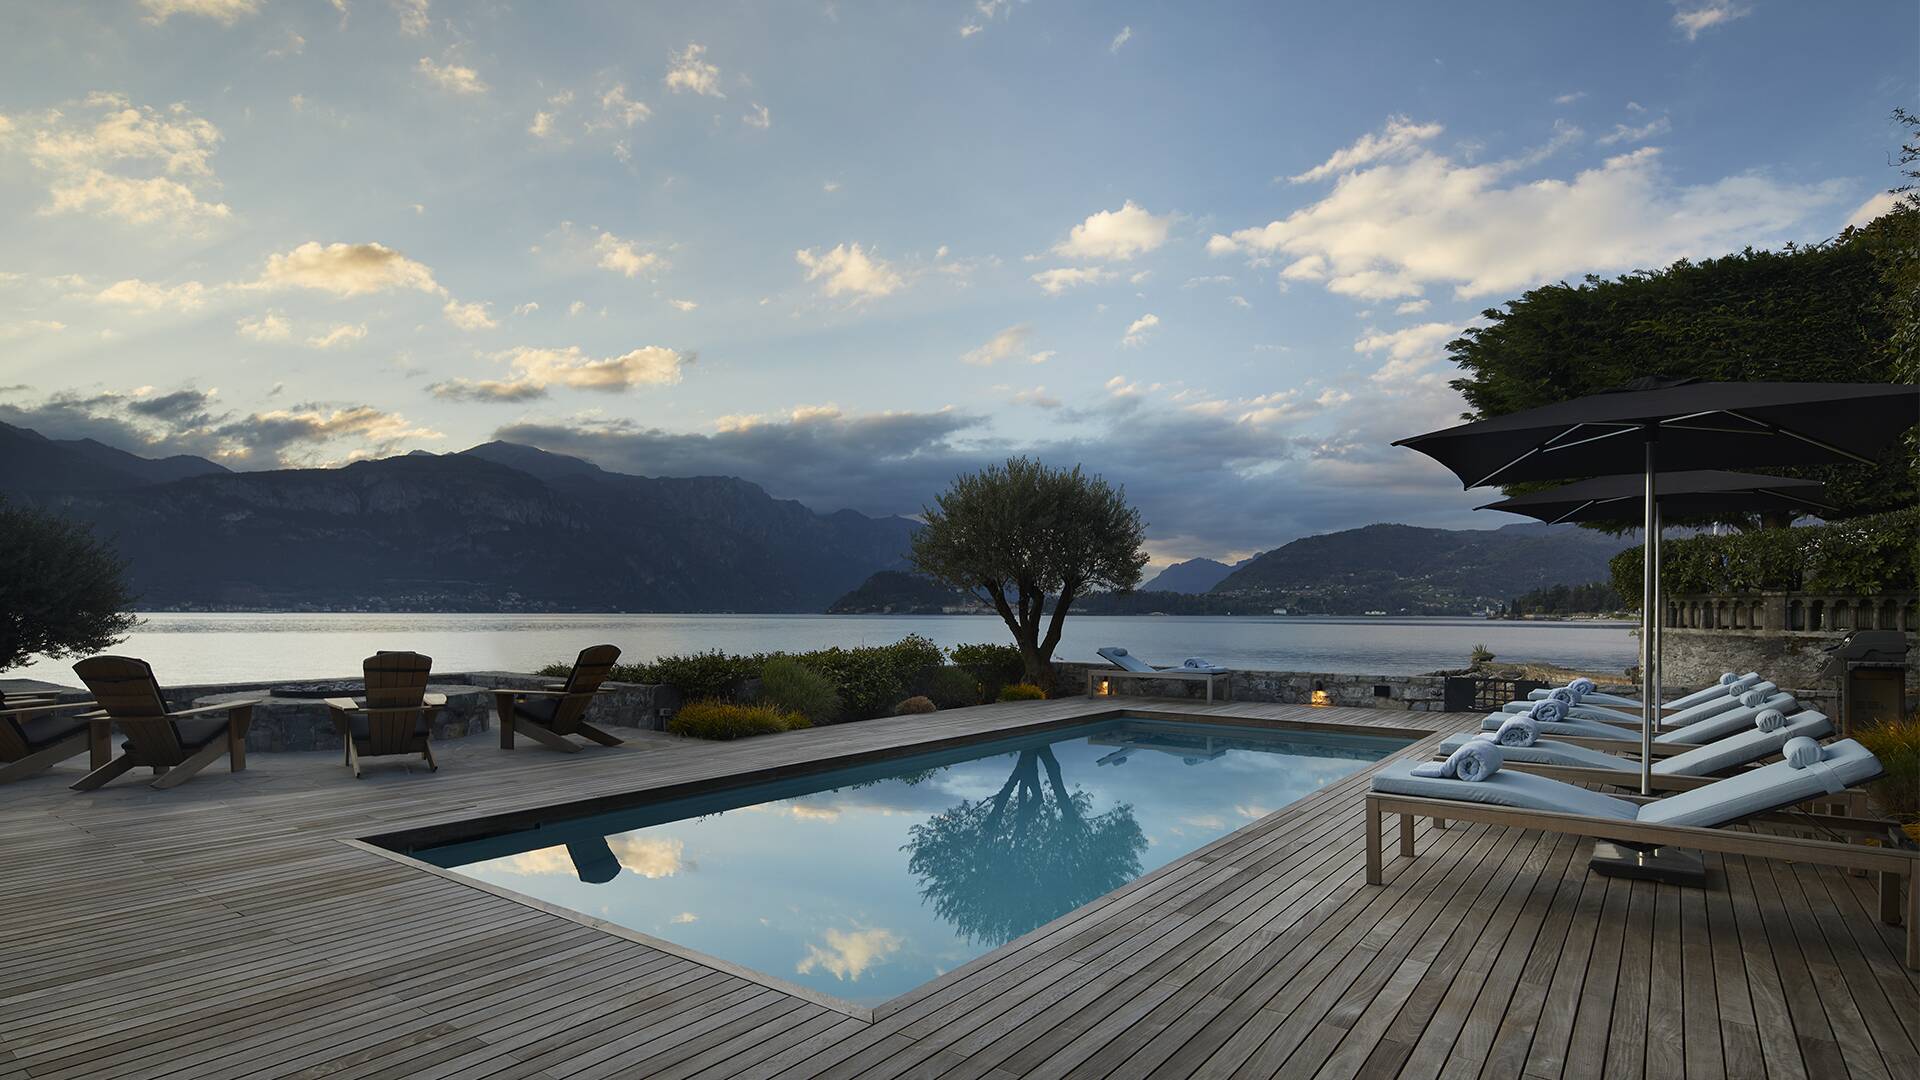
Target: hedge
[(1873, 554), (725, 720)]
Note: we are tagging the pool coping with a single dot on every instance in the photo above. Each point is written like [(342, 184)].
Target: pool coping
[(435, 834)]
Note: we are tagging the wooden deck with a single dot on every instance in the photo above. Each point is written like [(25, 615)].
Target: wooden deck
[(223, 929)]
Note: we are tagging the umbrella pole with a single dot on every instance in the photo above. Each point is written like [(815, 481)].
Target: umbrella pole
[(1650, 621)]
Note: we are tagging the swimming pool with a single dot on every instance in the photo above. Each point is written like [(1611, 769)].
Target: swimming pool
[(861, 883)]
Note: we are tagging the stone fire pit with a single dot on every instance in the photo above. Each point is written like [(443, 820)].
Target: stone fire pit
[(294, 716)]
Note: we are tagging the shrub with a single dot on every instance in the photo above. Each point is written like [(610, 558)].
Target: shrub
[(1897, 744), (1871, 554), (952, 687), (1023, 691), (725, 720), (1480, 655), (914, 705), (991, 665), (794, 686)]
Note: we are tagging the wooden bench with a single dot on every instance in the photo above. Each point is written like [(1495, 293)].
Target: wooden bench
[(1180, 674)]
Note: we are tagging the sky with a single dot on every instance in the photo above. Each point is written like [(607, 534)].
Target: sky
[(849, 250)]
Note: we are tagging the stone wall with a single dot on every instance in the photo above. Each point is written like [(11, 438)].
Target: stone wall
[(1791, 658), (1415, 693)]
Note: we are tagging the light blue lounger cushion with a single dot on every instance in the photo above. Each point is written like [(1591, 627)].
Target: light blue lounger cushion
[(1583, 712), (1731, 722), (1772, 787), (1591, 729), (1504, 788), (1123, 659), (1741, 748), (1729, 684), (1706, 710)]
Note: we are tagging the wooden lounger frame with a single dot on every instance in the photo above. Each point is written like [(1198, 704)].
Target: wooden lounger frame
[(397, 701), (1892, 864), (129, 697), (1179, 674), (24, 759), (576, 695)]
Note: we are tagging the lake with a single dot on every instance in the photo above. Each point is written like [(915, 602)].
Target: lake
[(200, 648)]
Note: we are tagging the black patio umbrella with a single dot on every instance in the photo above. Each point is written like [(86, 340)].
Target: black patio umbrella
[(1690, 493), (1674, 426)]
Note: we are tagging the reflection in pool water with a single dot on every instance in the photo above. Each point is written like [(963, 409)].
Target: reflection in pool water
[(863, 883)]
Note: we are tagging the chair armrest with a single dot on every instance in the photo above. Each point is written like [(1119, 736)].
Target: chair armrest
[(225, 706), (425, 706), (342, 704), (433, 700), (533, 693), (34, 710)]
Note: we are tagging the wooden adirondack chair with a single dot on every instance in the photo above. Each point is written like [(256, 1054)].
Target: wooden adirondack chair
[(397, 714), (176, 744), (34, 737), (549, 716)]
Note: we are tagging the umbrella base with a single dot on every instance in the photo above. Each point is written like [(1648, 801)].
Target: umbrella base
[(1668, 865)]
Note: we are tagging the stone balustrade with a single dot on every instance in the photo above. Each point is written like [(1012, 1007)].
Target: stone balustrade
[(1775, 611)]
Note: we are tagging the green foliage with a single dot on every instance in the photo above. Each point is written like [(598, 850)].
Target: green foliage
[(991, 665), (914, 706), (794, 686), (62, 591), (726, 720), (1866, 555), (1025, 538), (1897, 744), (1598, 597), (867, 679), (1900, 271), (1480, 655), (1826, 313), (952, 687), (1024, 691)]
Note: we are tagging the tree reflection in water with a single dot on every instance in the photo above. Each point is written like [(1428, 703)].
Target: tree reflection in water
[(996, 868)]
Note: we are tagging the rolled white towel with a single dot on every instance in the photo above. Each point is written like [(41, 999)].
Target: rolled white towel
[(1519, 731), (1476, 760), (1581, 687), (1801, 752), (1562, 694), (1548, 711), (1753, 699), (1769, 720), (1728, 678)]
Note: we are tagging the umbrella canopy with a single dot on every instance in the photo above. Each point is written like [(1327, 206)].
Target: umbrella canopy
[(1704, 425), (1690, 493)]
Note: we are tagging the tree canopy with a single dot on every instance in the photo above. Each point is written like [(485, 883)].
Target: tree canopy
[(1030, 540), (62, 591)]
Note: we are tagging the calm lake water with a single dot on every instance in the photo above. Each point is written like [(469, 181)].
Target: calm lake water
[(198, 648)]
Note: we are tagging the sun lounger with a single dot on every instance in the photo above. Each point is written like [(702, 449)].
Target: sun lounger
[(176, 744), (1688, 769), (395, 717), (1692, 819), (35, 735), (1729, 684), (1700, 731), (549, 716), (1128, 666)]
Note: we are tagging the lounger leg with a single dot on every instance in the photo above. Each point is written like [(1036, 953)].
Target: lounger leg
[(426, 751), (353, 759), (185, 771), (604, 738), (1406, 836), (545, 737), (45, 758), (1374, 876), (105, 773), (1440, 823), (503, 709), (1913, 922), (100, 750), (238, 721), (1889, 898)]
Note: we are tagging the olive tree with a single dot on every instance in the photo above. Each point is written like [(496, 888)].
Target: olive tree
[(62, 592), (1030, 540)]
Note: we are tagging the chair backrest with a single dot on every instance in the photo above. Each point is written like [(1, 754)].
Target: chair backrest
[(590, 669), (13, 739), (395, 680), (126, 690)]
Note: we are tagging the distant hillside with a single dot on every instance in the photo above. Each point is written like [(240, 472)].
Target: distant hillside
[(499, 528), (30, 461), (1403, 568), (896, 592), (1192, 576)]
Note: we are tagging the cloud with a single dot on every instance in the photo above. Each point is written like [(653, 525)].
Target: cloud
[(527, 308), (1137, 330), (146, 297), (1659, 125), (542, 125), (650, 856), (1568, 99), (1390, 230), (849, 953), (690, 73), (294, 46), (1005, 345), (221, 11), (346, 270), (1412, 307), (474, 316), (1881, 203), (1115, 234), (268, 327), (1409, 350), (1400, 136), (576, 308), (413, 15), (621, 257), (1238, 301), (1125, 35), (1037, 397), (651, 365), (135, 163), (684, 917), (487, 390), (452, 77), (683, 305), (758, 117), (1695, 16), (29, 328), (621, 109), (846, 270), (340, 334), (1060, 279)]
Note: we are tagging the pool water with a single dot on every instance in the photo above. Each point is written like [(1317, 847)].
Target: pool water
[(862, 883)]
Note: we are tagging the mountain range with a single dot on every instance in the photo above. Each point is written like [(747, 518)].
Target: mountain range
[(1192, 576), (499, 527)]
